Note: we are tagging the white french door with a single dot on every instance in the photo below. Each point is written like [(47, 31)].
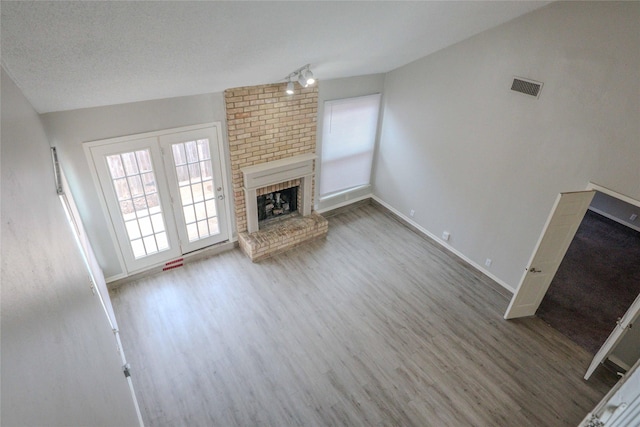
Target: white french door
[(164, 194), (196, 187)]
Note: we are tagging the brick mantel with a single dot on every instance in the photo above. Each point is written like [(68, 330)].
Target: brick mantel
[(270, 173)]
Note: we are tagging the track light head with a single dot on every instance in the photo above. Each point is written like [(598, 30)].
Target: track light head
[(290, 90), (303, 82), (308, 76)]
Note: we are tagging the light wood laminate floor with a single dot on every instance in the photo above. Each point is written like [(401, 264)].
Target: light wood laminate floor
[(372, 326)]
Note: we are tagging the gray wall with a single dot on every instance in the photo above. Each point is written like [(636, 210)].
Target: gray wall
[(338, 89), (68, 130), (616, 210), (485, 163), (59, 366)]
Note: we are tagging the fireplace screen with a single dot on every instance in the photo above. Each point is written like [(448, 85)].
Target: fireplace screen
[(278, 203)]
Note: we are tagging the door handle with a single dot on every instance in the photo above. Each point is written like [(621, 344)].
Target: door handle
[(533, 270)]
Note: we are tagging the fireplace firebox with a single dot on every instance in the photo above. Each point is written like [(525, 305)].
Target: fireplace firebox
[(277, 204)]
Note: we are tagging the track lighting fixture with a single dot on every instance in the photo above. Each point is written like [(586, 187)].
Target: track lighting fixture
[(302, 75)]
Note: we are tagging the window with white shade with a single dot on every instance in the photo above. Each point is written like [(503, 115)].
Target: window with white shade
[(348, 141)]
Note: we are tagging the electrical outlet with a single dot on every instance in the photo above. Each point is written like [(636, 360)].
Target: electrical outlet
[(412, 213), (445, 236), (633, 217), (488, 262)]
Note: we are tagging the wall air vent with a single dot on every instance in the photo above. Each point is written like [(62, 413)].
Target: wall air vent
[(528, 87)]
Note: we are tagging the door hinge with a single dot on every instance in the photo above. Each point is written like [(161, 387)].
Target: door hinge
[(126, 368), (92, 286)]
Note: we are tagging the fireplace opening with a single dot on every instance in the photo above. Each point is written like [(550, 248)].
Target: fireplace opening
[(278, 203)]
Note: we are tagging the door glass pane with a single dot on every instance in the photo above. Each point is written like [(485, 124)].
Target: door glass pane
[(144, 161), (185, 195), (157, 222), (179, 156), (194, 172), (163, 242), (211, 208), (208, 190), (213, 225), (139, 202), (183, 175), (154, 203), (198, 195), (132, 229), (115, 166), (192, 151), (149, 183), (192, 161), (150, 244), (192, 232), (203, 149), (122, 188), (130, 163), (189, 214), (126, 209), (205, 170), (135, 185), (138, 248)]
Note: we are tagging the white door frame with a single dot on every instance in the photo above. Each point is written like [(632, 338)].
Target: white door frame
[(634, 310), (590, 187), (621, 327), (155, 134), (619, 331)]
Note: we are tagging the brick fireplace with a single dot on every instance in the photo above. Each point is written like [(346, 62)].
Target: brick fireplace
[(272, 140)]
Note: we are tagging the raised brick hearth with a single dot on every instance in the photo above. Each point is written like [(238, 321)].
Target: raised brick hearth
[(281, 235), (268, 127)]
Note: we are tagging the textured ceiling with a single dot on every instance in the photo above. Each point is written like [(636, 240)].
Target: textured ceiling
[(68, 55)]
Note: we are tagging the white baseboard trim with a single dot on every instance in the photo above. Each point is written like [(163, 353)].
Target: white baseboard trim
[(345, 203), (616, 360), (613, 218), (157, 268), (115, 277), (444, 244)]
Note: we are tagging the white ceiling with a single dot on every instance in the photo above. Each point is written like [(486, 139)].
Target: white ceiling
[(68, 55)]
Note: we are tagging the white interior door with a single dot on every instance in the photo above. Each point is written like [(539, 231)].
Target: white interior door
[(194, 171), (561, 227), (621, 328)]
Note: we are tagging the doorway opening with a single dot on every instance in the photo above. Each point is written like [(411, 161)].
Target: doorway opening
[(558, 233), (163, 192), (598, 278)]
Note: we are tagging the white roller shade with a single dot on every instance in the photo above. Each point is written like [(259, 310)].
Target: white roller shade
[(348, 140)]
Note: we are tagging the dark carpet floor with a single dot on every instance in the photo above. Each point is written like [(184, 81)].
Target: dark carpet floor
[(596, 283)]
